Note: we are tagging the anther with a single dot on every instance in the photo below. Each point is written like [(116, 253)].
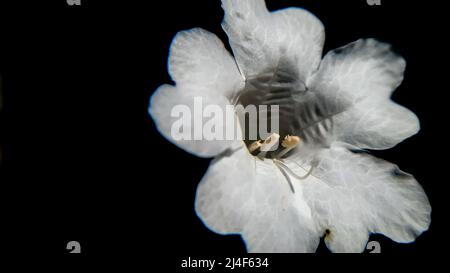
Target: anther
[(254, 146), (288, 143), (269, 144)]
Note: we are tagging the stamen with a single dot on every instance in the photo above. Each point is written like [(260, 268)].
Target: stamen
[(254, 146), (289, 143), (269, 144), (283, 172), (313, 165)]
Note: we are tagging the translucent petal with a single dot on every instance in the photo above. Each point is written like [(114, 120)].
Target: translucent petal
[(354, 194), (163, 102), (241, 194), (198, 58), (263, 40), (358, 80)]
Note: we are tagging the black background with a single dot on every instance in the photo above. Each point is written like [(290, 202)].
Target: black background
[(83, 161)]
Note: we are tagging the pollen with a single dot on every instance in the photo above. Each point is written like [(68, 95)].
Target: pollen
[(289, 142), (254, 146)]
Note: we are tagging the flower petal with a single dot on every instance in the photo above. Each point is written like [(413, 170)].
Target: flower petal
[(353, 194), (262, 41), (358, 79), (242, 194), (199, 58), (164, 101)]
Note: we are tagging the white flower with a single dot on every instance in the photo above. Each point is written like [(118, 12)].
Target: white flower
[(334, 107)]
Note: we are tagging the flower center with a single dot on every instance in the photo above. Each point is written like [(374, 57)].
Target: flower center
[(302, 114), (288, 143), (302, 117)]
